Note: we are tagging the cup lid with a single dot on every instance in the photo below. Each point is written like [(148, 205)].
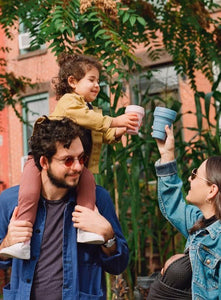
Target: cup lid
[(135, 108), (166, 112)]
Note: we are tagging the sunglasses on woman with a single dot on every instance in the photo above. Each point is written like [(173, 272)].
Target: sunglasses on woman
[(194, 174), (69, 160)]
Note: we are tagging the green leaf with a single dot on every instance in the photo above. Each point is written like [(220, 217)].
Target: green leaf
[(132, 20), (126, 16), (99, 33), (142, 21)]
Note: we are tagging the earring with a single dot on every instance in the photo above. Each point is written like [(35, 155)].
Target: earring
[(208, 201)]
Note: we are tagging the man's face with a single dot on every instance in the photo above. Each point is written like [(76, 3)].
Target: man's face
[(66, 166)]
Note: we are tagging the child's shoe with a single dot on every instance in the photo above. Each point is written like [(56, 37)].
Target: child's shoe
[(89, 237), (19, 250)]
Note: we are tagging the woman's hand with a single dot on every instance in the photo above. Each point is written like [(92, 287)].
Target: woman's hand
[(166, 148)]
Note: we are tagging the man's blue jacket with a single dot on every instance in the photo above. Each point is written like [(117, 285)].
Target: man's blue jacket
[(83, 265)]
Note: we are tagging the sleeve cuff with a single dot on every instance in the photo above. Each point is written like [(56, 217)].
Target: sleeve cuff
[(166, 169)]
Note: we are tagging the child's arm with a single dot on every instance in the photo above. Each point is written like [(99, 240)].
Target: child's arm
[(120, 131), (129, 120)]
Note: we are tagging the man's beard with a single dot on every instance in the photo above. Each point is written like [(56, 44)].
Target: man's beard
[(59, 183)]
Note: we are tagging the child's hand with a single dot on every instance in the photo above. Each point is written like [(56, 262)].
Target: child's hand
[(119, 132), (129, 120)]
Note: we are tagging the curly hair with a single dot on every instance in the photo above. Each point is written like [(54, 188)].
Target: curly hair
[(47, 132), (75, 65)]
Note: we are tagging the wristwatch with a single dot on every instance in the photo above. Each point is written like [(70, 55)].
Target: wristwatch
[(109, 243)]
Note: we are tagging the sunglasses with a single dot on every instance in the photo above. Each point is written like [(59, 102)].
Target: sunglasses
[(69, 160), (194, 174)]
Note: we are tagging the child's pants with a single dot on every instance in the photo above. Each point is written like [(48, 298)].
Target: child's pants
[(30, 190)]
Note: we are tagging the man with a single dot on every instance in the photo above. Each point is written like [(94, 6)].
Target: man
[(60, 268)]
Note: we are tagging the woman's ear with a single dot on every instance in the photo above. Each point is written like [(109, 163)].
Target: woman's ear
[(213, 191), (44, 162), (72, 82)]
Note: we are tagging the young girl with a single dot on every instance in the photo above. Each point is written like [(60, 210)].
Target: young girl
[(78, 86)]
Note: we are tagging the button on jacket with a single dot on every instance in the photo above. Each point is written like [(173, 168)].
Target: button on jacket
[(83, 265), (204, 245)]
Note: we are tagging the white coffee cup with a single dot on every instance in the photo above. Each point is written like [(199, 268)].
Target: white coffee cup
[(139, 110)]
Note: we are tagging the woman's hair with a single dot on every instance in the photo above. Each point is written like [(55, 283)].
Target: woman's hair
[(213, 175), (75, 65)]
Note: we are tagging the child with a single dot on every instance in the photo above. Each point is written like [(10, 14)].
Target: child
[(78, 86)]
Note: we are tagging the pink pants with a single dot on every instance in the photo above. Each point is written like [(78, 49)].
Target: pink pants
[(30, 189)]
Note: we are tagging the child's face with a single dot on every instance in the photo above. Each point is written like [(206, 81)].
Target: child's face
[(88, 86)]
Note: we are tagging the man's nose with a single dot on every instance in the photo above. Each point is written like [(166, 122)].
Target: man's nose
[(76, 165)]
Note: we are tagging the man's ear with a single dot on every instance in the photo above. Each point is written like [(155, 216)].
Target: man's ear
[(44, 162), (72, 82)]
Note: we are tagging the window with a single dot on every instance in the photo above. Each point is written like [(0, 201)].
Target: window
[(160, 82), (25, 39), (216, 72), (34, 107)]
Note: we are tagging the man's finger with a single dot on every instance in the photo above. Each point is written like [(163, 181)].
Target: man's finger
[(15, 213)]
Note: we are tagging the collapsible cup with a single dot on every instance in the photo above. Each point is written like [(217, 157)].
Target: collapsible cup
[(139, 110), (162, 116)]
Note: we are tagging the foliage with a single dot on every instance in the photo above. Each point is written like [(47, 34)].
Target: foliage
[(190, 36), (11, 86)]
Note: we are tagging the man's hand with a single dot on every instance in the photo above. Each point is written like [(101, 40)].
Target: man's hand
[(92, 221), (18, 231), (129, 120)]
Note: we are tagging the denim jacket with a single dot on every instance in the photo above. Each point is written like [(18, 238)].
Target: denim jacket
[(204, 245), (84, 265)]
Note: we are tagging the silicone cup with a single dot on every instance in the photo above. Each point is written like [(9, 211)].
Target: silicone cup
[(139, 110), (162, 116)]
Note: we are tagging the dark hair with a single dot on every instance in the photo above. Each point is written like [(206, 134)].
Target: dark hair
[(75, 65), (47, 132), (213, 174)]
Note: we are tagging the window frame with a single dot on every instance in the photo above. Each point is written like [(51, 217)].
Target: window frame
[(30, 99)]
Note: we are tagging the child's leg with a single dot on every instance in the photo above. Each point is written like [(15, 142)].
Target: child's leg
[(86, 197), (86, 189), (29, 192)]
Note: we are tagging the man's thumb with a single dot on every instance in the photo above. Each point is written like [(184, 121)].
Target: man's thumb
[(15, 212)]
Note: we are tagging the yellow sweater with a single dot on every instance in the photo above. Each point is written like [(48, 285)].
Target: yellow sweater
[(74, 107)]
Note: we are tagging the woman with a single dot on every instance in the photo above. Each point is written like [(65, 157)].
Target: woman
[(196, 274)]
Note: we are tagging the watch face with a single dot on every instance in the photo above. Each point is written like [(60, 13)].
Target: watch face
[(110, 242)]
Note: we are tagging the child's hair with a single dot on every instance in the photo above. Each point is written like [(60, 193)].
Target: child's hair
[(75, 65)]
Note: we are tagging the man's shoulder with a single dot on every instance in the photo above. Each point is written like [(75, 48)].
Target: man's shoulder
[(10, 192), (101, 189), (102, 194)]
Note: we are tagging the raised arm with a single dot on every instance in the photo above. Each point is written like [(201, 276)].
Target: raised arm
[(166, 148), (129, 120)]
